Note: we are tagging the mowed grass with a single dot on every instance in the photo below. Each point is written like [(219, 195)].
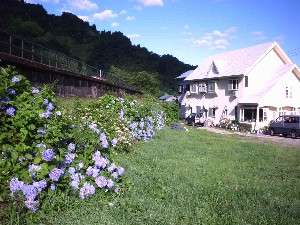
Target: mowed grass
[(198, 177)]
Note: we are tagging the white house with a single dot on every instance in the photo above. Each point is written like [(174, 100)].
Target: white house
[(255, 84)]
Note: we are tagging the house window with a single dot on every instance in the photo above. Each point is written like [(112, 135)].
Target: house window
[(265, 115), (194, 88), (287, 92), (212, 112), (233, 85), (246, 81), (180, 89), (211, 87), (202, 87), (187, 87)]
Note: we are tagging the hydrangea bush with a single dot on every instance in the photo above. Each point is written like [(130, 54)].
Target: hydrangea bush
[(46, 148)]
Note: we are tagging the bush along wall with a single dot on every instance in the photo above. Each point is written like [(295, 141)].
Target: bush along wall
[(49, 148)]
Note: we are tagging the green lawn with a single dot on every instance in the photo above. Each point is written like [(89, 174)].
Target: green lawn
[(197, 177)]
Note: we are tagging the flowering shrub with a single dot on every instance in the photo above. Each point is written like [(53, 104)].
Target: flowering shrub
[(45, 149)]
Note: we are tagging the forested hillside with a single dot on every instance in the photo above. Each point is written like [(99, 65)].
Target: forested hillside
[(112, 51)]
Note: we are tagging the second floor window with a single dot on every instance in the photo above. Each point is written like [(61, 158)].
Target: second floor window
[(211, 87), (233, 85), (288, 92), (180, 87), (194, 88)]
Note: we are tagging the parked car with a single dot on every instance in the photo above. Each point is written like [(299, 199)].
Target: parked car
[(286, 125), (195, 119)]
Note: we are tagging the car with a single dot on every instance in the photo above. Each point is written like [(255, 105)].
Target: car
[(286, 125), (195, 119)]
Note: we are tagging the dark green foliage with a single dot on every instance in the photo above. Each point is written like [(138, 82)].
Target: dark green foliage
[(171, 110), (70, 35)]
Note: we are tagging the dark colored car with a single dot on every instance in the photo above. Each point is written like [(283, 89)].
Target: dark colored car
[(195, 119), (286, 125)]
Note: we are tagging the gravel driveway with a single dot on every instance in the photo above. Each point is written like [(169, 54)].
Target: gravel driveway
[(285, 141)]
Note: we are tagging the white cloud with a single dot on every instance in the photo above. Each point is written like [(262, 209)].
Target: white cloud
[(133, 36), (216, 39), (83, 4), (147, 3), (106, 15), (130, 18), (43, 1), (84, 18), (115, 24)]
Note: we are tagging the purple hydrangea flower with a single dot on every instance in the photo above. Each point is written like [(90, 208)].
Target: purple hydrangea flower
[(10, 111), (92, 171), (35, 90), (30, 192), (32, 205), (94, 128), (74, 184), (101, 181), (120, 171), (103, 140), (71, 147), (15, 79), (48, 155), (114, 142), (69, 158), (45, 102), (5, 99), (72, 170), (11, 91), (50, 106), (47, 114), (40, 185), (110, 183), (15, 185), (100, 161), (55, 174), (86, 190)]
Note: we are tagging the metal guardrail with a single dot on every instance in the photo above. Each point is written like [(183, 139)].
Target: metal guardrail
[(36, 53)]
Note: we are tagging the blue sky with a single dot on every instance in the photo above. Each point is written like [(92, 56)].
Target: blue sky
[(192, 29)]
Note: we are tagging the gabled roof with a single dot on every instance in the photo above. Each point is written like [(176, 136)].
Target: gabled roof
[(185, 74), (231, 63)]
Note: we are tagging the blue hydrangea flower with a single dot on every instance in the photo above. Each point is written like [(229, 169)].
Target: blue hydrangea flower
[(80, 165), (5, 99), (120, 171), (15, 79), (48, 155), (94, 128), (101, 181), (10, 111), (35, 90), (117, 190), (72, 170), (50, 106), (110, 183), (55, 174), (47, 114), (15, 185), (100, 161), (45, 102), (11, 91), (86, 190), (30, 192), (40, 185), (69, 158), (115, 175), (112, 168)]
